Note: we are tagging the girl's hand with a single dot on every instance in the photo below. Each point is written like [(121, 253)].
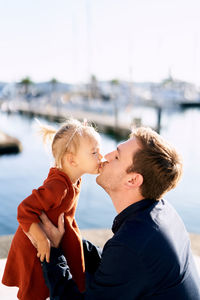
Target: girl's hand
[(43, 248)]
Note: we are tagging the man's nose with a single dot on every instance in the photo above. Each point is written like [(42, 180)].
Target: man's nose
[(109, 156)]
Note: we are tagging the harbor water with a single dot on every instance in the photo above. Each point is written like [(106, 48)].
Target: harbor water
[(21, 173)]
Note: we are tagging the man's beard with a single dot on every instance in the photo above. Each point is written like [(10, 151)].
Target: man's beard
[(101, 182), (106, 184)]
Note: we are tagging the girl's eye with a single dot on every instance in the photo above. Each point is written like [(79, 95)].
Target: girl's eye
[(94, 153)]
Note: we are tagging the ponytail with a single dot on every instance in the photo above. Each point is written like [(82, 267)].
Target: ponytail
[(47, 132)]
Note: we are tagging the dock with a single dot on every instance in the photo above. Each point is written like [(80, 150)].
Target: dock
[(105, 122), (190, 104), (9, 144)]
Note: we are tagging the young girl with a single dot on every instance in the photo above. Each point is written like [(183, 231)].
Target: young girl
[(76, 150)]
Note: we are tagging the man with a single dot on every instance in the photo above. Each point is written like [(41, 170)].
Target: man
[(149, 256)]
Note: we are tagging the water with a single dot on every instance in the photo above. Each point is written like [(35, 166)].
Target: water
[(19, 174)]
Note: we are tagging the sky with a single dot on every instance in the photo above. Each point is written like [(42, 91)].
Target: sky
[(137, 40)]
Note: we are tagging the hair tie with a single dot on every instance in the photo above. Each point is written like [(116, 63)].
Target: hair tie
[(71, 137)]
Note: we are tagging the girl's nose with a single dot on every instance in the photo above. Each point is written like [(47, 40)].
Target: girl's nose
[(99, 156)]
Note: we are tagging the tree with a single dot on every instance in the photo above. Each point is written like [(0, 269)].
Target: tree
[(114, 81), (53, 83), (26, 83)]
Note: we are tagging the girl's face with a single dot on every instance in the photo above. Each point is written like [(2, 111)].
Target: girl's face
[(88, 156)]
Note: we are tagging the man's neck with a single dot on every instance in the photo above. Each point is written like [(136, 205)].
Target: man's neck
[(122, 200)]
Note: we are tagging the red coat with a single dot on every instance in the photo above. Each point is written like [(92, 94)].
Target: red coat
[(23, 268)]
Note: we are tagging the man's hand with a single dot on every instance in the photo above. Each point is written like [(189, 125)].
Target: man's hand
[(53, 233)]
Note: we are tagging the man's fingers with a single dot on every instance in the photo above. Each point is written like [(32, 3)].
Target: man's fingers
[(61, 226), (53, 233), (47, 257), (44, 218)]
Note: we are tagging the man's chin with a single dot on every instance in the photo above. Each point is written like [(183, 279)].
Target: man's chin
[(98, 179)]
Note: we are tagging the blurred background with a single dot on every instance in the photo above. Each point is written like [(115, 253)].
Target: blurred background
[(117, 63)]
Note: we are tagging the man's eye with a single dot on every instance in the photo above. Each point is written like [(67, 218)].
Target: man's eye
[(94, 153)]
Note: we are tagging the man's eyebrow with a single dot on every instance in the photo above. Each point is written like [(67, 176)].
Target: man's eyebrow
[(118, 150)]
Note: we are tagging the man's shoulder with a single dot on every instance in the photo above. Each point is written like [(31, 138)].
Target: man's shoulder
[(134, 234), (161, 225)]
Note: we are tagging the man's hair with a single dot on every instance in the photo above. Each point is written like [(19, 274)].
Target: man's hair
[(157, 161)]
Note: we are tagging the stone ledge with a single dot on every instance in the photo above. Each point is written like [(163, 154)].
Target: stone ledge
[(96, 236)]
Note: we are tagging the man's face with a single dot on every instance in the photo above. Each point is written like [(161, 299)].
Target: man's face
[(113, 171)]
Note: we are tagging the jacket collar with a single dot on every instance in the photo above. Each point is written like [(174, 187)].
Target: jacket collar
[(131, 210)]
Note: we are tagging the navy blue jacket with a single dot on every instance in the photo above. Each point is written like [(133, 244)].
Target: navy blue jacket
[(149, 257)]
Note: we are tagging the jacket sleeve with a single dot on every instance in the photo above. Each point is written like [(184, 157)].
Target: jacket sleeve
[(118, 276), (92, 256), (57, 274), (59, 279), (46, 197)]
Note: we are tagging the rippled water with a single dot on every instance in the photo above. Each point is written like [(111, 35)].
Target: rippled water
[(19, 174)]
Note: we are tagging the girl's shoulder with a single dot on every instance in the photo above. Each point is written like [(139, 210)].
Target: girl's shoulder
[(58, 184), (57, 175)]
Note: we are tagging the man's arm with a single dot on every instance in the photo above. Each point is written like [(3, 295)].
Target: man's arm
[(92, 256), (57, 273), (59, 279), (120, 275)]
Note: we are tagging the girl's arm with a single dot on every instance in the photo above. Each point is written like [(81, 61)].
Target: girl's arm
[(41, 240), (53, 233), (44, 198)]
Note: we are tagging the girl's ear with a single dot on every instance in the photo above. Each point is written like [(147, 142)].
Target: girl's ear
[(134, 180), (70, 157)]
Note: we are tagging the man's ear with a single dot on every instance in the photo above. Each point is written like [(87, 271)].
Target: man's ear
[(134, 180)]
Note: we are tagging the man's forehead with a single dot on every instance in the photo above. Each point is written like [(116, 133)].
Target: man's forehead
[(130, 142), (131, 146)]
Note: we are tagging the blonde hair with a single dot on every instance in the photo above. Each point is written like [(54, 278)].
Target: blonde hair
[(67, 137)]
